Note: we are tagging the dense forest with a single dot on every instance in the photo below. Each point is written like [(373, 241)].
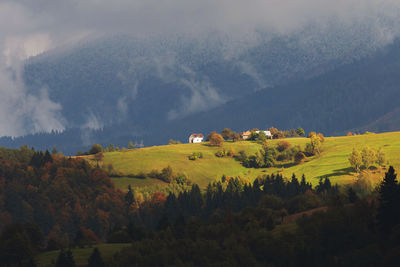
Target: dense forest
[(49, 202)]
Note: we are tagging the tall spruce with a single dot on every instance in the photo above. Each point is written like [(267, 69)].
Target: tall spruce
[(389, 198), (95, 259)]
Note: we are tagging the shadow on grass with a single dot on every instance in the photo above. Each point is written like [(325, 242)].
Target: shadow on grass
[(286, 165), (338, 172)]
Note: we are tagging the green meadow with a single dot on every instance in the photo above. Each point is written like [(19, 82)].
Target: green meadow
[(333, 161), (81, 255)]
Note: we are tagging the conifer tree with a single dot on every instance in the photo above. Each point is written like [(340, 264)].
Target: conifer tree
[(95, 259), (389, 198), (129, 198)]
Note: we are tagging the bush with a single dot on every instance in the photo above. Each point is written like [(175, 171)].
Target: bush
[(283, 145), (96, 148), (215, 139), (299, 157), (196, 155), (221, 153)]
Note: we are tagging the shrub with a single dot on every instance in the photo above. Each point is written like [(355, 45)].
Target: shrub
[(174, 142), (196, 155), (283, 145), (299, 157), (221, 153), (216, 139), (231, 152), (96, 148)]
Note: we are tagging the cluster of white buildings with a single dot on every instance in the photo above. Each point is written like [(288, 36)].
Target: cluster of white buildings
[(198, 137)]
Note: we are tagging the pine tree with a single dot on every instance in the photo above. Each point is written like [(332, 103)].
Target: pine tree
[(352, 196), (129, 198), (95, 259), (389, 191), (65, 259)]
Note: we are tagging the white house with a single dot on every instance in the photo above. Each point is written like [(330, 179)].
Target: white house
[(196, 138), (267, 134)]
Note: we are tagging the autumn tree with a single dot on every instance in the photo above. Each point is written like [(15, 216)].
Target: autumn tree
[(380, 157), (227, 134), (131, 145), (355, 159), (300, 131), (96, 148), (368, 157), (283, 145), (299, 157), (98, 157), (216, 139)]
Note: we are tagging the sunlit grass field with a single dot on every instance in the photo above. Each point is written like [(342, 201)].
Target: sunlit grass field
[(333, 161), (81, 255)]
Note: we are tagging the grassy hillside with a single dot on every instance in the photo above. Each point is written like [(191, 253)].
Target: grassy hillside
[(81, 255), (332, 163)]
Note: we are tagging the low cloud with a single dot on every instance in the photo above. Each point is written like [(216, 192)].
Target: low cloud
[(30, 27)]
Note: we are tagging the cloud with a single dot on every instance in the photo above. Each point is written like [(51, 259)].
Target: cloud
[(30, 27)]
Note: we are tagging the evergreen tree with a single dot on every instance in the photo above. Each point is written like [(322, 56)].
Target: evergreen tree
[(95, 259), (389, 198), (129, 198), (352, 196)]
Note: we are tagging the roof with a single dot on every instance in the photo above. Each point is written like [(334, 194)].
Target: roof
[(198, 135), (246, 133)]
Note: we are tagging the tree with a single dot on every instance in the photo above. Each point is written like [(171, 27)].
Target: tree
[(299, 157), (389, 200), (173, 142), (96, 148), (355, 160), (368, 157), (110, 148), (95, 259), (98, 157), (352, 196), (283, 145), (227, 134), (131, 145), (380, 157), (129, 198), (54, 151), (236, 137), (65, 259), (216, 139), (315, 144), (300, 131)]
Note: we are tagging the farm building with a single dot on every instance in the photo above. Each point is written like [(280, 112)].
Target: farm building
[(196, 138), (246, 135), (267, 134)]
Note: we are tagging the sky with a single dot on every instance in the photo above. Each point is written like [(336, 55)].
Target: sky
[(31, 27)]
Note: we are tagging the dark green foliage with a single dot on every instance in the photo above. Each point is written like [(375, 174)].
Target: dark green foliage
[(221, 153), (19, 243), (300, 131), (389, 198), (196, 155), (352, 196), (95, 259), (129, 198), (65, 259), (96, 148)]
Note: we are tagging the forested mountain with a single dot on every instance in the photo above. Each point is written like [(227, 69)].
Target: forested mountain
[(118, 89)]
